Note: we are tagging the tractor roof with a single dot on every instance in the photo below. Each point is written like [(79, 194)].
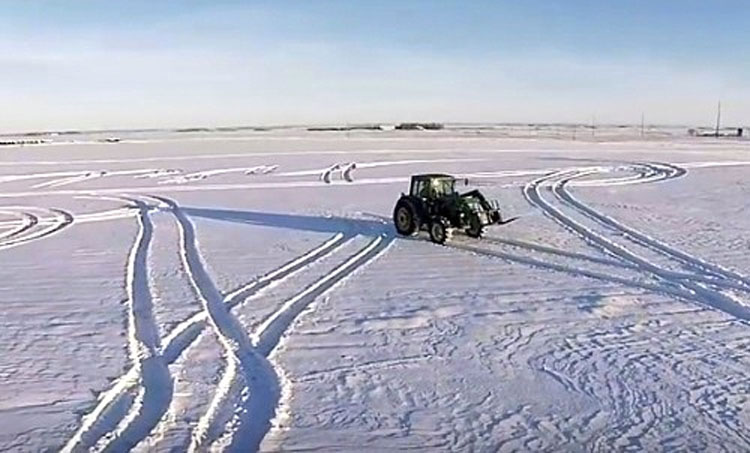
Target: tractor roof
[(433, 176)]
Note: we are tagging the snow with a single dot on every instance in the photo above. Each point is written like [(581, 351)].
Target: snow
[(246, 291)]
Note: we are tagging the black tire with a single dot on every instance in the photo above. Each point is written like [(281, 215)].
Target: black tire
[(475, 228), (439, 231), (405, 218)]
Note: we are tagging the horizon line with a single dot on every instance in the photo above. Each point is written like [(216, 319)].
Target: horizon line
[(261, 127)]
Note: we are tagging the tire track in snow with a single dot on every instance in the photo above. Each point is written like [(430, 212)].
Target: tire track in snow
[(345, 168), (630, 434), (62, 220), (28, 176), (347, 172), (143, 333), (114, 404), (240, 354), (653, 173), (262, 410), (644, 240), (144, 342), (27, 221), (641, 176), (703, 271), (238, 348), (104, 216), (326, 175), (656, 172), (149, 369), (567, 269), (84, 176), (638, 409), (268, 334), (573, 366), (555, 251), (209, 427), (180, 337), (700, 294), (76, 177), (204, 174)]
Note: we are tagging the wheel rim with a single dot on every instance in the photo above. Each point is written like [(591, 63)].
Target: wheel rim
[(403, 219)]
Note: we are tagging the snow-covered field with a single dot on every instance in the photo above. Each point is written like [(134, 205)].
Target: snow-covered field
[(248, 292)]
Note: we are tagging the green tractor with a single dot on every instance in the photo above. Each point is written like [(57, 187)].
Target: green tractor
[(433, 204)]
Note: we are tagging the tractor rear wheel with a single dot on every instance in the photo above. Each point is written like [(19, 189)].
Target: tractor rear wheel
[(475, 228), (439, 231), (405, 218)]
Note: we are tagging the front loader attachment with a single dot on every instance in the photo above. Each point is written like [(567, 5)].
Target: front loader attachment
[(496, 219), (507, 221)]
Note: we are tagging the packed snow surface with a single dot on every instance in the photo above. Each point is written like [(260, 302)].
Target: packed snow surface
[(215, 293)]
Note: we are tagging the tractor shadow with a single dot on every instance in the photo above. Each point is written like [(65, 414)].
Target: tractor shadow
[(320, 224), (370, 225)]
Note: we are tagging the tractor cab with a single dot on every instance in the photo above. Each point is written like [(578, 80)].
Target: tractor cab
[(432, 186)]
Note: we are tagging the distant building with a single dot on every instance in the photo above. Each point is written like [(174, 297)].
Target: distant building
[(419, 126), (726, 132)]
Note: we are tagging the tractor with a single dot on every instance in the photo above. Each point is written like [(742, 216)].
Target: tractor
[(434, 204)]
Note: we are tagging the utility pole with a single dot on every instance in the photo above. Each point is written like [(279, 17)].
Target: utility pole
[(643, 124), (718, 119), (593, 124)]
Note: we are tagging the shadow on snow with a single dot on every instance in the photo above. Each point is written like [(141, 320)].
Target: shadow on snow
[(319, 224)]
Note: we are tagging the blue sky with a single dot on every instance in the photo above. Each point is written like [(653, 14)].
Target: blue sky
[(96, 64)]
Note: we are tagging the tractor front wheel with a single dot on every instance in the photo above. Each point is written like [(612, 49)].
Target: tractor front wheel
[(475, 228), (439, 231)]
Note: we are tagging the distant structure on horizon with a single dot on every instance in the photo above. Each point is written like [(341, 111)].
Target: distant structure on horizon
[(419, 126), (723, 132), (716, 132)]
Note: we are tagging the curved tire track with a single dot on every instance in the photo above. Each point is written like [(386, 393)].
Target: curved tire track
[(63, 219), (209, 427), (144, 346), (149, 369), (700, 294), (115, 403), (262, 405), (28, 221), (639, 409), (239, 350), (640, 238)]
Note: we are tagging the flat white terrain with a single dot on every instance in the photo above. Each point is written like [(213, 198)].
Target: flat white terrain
[(246, 291)]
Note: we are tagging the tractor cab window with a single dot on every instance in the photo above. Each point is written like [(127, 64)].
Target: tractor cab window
[(443, 187), (433, 188), (421, 188)]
